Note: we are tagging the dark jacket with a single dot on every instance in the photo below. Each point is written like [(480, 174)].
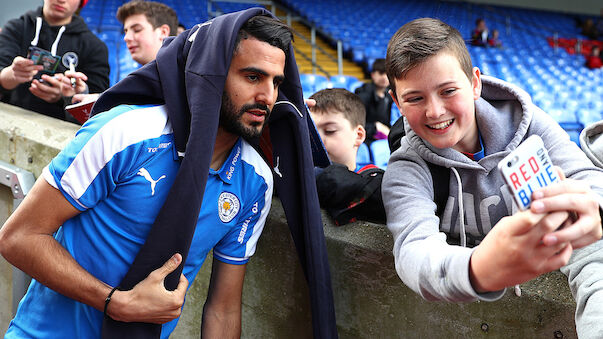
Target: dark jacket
[(16, 38), (377, 109), (189, 76)]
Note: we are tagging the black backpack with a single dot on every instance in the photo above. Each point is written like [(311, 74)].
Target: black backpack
[(349, 196)]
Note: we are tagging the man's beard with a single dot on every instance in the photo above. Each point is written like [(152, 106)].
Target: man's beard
[(231, 119)]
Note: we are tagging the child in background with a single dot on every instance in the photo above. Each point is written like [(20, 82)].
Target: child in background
[(346, 191), (494, 40), (465, 122), (593, 60)]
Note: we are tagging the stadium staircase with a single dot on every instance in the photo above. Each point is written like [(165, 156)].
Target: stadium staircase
[(326, 55)]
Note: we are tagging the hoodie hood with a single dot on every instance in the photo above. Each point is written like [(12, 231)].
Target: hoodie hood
[(500, 104)]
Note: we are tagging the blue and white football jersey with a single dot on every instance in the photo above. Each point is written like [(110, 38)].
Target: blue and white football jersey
[(118, 171)]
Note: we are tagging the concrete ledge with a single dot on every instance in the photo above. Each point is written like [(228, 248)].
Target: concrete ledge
[(370, 299)]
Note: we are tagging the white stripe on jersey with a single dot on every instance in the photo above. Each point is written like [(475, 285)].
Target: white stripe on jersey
[(229, 257), (251, 156), (116, 135)]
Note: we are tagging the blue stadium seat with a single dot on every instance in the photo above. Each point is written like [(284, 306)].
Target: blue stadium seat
[(363, 157), (314, 82), (380, 153), (343, 81), (587, 116), (352, 87)]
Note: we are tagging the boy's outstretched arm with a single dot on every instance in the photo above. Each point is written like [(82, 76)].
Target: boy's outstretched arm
[(513, 252)]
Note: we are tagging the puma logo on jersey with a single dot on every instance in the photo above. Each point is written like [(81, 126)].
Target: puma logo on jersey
[(145, 174)]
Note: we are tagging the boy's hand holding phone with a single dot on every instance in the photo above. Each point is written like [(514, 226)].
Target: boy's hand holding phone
[(556, 216), (49, 89), (20, 71), (584, 226), (531, 177)]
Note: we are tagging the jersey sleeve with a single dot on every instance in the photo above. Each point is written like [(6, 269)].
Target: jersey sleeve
[(239, 244), (89, 168)]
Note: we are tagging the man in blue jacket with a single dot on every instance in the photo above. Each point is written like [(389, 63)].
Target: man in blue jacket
[(146, 190)]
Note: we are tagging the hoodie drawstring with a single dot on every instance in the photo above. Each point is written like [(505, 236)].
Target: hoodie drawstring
[(461, 209), (34, 42), (55, 44), (463, 236), (36, 38)]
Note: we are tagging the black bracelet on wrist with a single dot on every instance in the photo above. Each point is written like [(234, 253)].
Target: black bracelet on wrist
[(108, 299)]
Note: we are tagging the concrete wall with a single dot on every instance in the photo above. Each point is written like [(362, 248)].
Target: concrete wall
[(370, 299)]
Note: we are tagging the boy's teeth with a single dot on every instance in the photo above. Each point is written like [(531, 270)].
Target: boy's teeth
[(441, 125)]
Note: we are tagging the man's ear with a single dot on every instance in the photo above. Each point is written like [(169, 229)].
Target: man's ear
[(476, 83), (360, 135), (391, 94)]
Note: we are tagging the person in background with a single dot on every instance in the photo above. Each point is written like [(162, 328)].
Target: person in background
[(181, 28), (348, 192), (56, 28), (377, 102), (593, 60), (479, 35), (474, 243), (494, 40), (146, 25)]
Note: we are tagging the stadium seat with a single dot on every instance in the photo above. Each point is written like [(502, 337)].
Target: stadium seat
[(314, 82), (352, 87), (342, 81), (363, 157), (587, 116), (380, 153)]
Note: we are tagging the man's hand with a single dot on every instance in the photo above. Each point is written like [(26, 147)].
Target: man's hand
[(513, 252), (49, 90), (20, 71), (576, 197), (149, 301), (80, 83)]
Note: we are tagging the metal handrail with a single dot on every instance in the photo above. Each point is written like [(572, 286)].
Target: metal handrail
[(313, 64), (20, 183), (273, 5)]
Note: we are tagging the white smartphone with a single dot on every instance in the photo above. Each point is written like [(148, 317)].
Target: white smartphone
[(526, 169)]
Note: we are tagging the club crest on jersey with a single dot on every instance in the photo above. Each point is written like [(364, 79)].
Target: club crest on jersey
[(228, 206)]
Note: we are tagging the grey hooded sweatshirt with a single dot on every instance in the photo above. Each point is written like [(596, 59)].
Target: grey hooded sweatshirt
[(424, 260)]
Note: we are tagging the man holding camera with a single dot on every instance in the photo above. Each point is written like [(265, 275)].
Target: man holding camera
[(53, 30)]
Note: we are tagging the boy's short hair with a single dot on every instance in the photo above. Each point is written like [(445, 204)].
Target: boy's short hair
[(341, 100), (157, 14), (378, 65), (420, 39), (266, 29)]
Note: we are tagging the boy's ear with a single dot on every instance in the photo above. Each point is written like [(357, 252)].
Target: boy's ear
[(360, 136), (391, 94), (164, 31), (476, 84)]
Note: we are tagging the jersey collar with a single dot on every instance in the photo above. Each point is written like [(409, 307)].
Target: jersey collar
[(232, 165)]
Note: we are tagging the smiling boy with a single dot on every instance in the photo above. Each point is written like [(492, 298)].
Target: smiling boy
[(146, 24), (458, 119)]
